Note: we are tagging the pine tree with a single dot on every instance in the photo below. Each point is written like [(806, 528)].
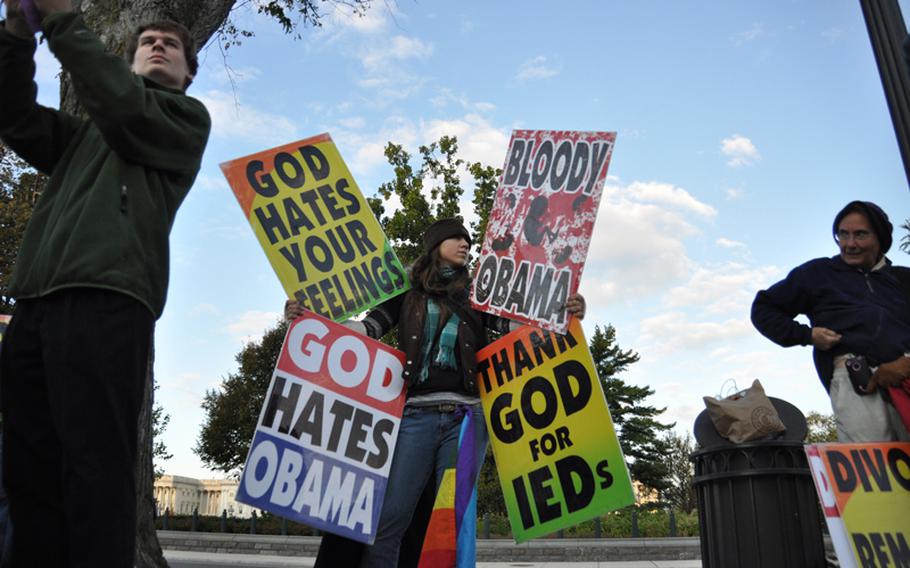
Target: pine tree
[(681, 493), (641, 435)]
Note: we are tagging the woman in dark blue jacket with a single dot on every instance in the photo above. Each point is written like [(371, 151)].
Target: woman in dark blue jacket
[(856, 306)]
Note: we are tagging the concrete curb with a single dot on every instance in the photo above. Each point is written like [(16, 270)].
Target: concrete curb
[(488, 550)]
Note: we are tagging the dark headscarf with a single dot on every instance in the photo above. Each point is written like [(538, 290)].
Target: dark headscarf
[(876, 217), (442, 230)]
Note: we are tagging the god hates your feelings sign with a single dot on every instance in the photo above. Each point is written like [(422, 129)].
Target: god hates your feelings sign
[(316, 228), (326, 435), (540, 226), (558, 457), (864, 491)]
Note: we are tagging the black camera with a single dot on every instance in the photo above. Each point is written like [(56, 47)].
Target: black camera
[(859, 372)]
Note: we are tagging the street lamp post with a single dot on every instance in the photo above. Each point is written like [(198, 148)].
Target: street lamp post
[(887, 33)]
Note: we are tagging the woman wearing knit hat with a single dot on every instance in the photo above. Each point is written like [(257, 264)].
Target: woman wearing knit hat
[(859, 318), (440, 335)]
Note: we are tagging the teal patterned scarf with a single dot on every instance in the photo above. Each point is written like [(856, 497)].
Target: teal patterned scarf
[(445, 349)]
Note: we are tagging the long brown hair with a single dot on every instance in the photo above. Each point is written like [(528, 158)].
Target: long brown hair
[(426, 276)]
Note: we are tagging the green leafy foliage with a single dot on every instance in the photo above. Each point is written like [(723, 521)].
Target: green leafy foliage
[(822, 428), (20, 186), (652, 523), (160, 420), (430, 192), (232, 409)]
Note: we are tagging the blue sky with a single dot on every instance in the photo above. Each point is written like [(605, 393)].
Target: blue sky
[(743, 127)]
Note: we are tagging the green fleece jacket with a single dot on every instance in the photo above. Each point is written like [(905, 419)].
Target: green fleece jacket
[(116, 178)]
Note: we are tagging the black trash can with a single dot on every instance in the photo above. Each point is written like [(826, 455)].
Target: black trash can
[(757, 506)]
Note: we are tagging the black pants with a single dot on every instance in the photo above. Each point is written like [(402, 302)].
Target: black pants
[(73, 369)]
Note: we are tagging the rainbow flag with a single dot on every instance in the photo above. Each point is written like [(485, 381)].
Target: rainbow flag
[(451, 540)]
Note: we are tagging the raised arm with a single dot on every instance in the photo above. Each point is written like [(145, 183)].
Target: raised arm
[(142, 122), (38, 134), (774, 310)]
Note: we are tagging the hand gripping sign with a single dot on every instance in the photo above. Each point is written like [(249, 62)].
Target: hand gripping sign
[(316, 228), (540, 226), (558, 457), (326, 435), (864, 490)]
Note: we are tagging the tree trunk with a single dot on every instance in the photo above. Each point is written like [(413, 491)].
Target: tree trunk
[(148, 550), (115, 20)]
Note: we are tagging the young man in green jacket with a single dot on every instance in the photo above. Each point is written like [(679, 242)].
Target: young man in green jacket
[(91, 276)]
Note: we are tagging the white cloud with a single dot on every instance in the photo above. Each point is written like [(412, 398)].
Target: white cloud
[(535, 68), (667, 194), (734, 193), (740, 151), (366, 22), (673, 331), (727, 243), (725, 289), (364, 151), (232, 119), (354, 122), (400, 48), (638, 245), (753, 33), (446, 96), (251, 325), (478, 139)]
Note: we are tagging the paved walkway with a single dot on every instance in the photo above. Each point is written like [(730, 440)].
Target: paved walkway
[(187, 559)]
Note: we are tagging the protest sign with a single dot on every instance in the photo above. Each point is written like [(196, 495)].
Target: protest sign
[(326, 435), (864, 491), (317, 230), (558, 457), (540, 226)]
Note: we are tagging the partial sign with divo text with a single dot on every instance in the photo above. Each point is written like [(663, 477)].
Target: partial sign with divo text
[(317, 230), (540, 227), (326, 435), (864, 490), (556, 450)]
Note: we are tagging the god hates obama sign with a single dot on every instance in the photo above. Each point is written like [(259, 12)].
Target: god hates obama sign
[(326, 434), (540, 226), (317, 230), (864, 491), (558, 457)]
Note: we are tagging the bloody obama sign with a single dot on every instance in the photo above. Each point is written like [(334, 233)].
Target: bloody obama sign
[(540, 226)]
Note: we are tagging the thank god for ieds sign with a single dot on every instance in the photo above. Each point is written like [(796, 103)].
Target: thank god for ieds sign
[(316, 228), (540, 226), (326, 435), (558, 457), (864, 491)]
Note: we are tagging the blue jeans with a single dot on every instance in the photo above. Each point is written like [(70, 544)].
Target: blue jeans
[(427, 446)]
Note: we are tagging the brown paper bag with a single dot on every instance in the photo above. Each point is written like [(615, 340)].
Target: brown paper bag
[(744, 416)]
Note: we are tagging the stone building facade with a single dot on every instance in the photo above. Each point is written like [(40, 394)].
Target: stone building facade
[(210, 496)]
